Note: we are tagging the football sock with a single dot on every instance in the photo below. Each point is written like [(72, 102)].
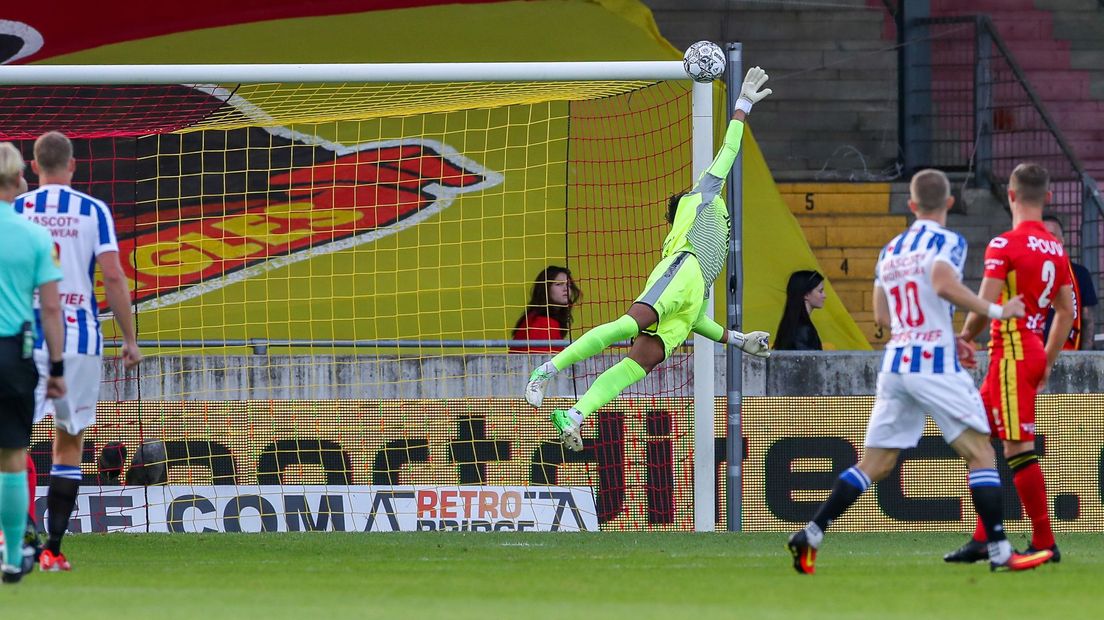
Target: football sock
[(595, 340), (32, 480), (64, 486), (985, 490), (1028, 477), (979, 526), (814, 534), (847, 489), (609, 384), (13, 514), (999, 552)]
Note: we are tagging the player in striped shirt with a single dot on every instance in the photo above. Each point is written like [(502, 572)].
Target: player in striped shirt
[(917, 279), (674, 298), (1026, 261), (84, 236)]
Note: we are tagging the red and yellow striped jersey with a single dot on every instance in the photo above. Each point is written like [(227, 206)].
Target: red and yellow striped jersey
[(1032, 263)]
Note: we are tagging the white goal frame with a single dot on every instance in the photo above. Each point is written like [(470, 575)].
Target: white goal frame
[(663, 70)]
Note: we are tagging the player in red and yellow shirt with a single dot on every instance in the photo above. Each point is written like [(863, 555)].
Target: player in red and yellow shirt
[(1027, 261)]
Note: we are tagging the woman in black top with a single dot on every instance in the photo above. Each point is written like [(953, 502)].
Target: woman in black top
[(804, 293)]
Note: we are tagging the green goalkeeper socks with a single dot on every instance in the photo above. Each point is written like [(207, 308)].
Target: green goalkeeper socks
[(13, 514), (594, 341), (609, 384)]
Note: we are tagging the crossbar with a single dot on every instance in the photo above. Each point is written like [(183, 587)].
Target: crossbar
[(651, 70)]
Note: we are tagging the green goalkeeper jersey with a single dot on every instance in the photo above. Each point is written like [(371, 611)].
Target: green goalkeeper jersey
[(701, 223)]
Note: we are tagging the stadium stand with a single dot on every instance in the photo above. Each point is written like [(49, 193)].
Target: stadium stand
[(841, 124), (846, 224), (1060, 46)]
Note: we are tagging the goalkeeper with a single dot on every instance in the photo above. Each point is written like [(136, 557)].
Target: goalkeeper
[(674, 299)]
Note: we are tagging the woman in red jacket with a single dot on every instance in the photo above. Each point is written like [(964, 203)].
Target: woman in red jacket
[(548, 315)]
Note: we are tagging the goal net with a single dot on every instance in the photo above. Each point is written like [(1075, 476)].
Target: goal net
[(329, 265)]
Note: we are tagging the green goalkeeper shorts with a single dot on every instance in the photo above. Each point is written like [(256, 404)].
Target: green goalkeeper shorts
[(676, 291)]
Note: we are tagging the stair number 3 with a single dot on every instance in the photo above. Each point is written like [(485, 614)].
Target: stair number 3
[(1048, 275)]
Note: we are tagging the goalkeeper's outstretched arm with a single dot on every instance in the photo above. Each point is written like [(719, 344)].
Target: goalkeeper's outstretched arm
[(754, 343), (751, 92)]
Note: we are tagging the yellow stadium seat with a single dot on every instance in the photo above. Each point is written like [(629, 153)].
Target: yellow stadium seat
[(846, 225)]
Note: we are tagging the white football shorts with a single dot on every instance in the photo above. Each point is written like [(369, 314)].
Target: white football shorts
[(75, 411), (902, 400)]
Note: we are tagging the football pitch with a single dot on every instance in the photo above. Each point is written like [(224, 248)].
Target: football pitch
[(606, 575)]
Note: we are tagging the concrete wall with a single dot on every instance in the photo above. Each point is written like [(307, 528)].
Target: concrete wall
[(833, 115), (167, 377)]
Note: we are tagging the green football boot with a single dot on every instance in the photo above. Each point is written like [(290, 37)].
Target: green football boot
[(569, 430)]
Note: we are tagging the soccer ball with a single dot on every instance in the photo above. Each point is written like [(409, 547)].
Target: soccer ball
[(704, 61)]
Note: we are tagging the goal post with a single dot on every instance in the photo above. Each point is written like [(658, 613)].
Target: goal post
[(364, 236)]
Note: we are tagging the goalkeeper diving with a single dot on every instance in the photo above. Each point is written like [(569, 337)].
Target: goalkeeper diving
[(674, 299)]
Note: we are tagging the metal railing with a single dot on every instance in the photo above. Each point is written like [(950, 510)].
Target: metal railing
[(978, 113), (261, 346)]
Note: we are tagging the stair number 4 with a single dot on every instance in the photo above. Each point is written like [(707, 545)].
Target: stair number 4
[(1048, 275)]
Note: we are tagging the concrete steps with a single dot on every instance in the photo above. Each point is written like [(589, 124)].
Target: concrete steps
[(980, 6), (834, 109), (1060, 46), (1084, 6), (846, 225), (836, 199)]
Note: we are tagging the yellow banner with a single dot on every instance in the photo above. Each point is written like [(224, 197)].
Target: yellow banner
[(464, 271)]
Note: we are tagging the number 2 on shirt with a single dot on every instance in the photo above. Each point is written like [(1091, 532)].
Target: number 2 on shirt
[(1048, 275)]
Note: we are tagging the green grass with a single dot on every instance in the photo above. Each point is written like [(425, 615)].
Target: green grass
[(527, 576)]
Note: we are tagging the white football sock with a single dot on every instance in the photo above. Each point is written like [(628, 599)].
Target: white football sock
[(814, 534), (1000, 552)]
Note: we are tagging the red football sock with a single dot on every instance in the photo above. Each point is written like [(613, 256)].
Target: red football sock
[(1028, 477), (32, 481)]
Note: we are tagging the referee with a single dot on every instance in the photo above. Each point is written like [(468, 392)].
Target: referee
[(28, 261)]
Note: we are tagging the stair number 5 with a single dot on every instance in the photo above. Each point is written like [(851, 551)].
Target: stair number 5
[(809, 204), (907, 304), (1048, 275)]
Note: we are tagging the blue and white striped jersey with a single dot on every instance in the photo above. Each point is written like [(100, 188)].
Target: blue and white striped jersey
[(923, 335), (82, 229)]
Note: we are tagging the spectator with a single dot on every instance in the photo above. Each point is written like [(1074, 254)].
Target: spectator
[(548, 314), (796, 332), (1084, 298)]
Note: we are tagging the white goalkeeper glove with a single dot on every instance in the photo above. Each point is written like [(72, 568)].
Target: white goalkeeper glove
[(752, 91), (752, 343)]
